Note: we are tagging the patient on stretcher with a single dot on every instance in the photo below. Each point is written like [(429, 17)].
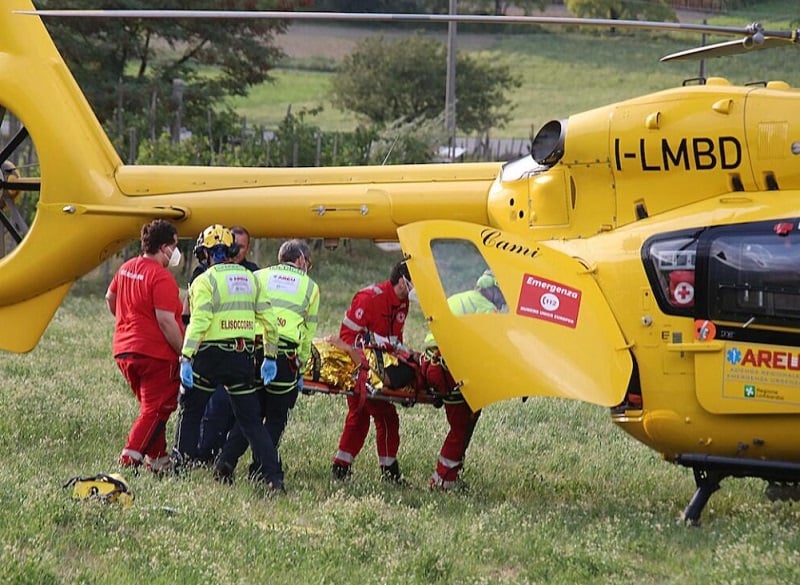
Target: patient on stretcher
[(395, 374)]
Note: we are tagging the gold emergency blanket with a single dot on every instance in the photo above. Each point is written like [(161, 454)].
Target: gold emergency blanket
[(334, 364)]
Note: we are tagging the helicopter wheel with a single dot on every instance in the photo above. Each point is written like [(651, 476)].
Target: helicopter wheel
[(782, 491)]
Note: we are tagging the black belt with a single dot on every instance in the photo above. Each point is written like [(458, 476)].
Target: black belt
[(286, 345), (235, 344)]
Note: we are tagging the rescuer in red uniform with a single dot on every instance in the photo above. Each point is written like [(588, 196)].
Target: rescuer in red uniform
[(144, 299), (486, 297), (376, 317)]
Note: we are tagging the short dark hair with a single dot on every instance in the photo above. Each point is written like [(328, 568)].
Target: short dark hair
[(157, 233), (238, 230), (399, 270)]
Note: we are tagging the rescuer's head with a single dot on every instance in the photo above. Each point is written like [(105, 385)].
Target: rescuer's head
[(401, 280), (216, 244), (242, 238), (488, 287), (295, 252)]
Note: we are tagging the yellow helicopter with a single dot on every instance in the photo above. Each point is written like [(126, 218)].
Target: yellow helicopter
[(648, 251)]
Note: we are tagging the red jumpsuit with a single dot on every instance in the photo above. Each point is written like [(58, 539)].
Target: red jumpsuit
[(451, 458), (374, 311), (460, 417), (144, 356)]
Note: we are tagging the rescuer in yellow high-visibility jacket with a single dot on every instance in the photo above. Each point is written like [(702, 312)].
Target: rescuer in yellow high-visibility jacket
[(486, 297), (227, 306), (294, 297)]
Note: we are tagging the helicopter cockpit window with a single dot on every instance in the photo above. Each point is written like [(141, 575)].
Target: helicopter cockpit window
[(670, 264), (754, 276), (468, 282)]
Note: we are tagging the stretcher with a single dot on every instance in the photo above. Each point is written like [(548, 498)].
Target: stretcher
[(335, 369), (406, 396)]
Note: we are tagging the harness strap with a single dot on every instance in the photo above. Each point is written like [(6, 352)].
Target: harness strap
[(362, 377), (238, 344)]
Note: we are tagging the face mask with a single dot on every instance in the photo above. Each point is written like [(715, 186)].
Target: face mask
[(412, 296), (409, 286), (174, 258)]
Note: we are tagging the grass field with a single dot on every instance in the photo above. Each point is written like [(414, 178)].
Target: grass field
[(562, 73), (556, 494)]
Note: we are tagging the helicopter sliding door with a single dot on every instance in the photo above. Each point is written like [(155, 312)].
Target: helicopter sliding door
[(741, 283), (549, 333)]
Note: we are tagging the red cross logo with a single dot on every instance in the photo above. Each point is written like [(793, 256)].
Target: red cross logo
[(684, 293)]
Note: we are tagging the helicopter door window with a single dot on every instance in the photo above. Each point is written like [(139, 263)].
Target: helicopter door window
[(670, 264), (469, 283), (755, 276)]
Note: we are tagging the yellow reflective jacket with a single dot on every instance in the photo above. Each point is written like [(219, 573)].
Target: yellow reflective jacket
[(294, 297), (465, 303), (470, 301), (227, 302)]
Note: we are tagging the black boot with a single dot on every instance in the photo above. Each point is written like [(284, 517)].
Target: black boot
[(340, 472), (391, 473), (223, 472)]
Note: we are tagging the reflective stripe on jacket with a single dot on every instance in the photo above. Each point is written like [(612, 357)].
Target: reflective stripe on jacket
[(226, 302), (295, 302)]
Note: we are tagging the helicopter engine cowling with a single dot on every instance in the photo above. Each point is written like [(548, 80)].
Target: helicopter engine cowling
[(650, 155)]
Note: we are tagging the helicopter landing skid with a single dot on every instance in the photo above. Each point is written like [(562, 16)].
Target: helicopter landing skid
[(710, 470)]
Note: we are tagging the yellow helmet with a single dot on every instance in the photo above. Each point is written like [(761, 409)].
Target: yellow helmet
[(486, 280), (215, 235), (104, 488)]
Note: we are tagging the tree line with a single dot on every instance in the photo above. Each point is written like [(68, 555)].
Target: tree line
[(150, 79)]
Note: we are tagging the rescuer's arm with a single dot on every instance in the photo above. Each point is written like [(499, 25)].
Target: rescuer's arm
[(201, 304), (355, 319), (169, 328), (355, 355), (266, 317), (185, 312), (111, 296), (309, 329), (111, 302)]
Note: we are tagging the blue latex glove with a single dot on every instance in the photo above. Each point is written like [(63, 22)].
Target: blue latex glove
[(300, 384), (269, 369), (187, 374)]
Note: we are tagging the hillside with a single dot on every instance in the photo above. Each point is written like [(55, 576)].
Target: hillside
[(562, 72)]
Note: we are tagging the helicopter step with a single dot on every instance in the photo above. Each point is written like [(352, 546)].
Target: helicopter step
[(710, 470)]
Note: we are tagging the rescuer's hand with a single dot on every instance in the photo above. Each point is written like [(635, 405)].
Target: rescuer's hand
[(269, 370), (186, 373)]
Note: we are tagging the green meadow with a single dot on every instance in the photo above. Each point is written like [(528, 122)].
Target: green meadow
[(562, 72), (554, 493)]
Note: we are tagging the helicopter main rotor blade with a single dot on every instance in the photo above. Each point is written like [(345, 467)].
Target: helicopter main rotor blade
[(748, 30), (725, 49)]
